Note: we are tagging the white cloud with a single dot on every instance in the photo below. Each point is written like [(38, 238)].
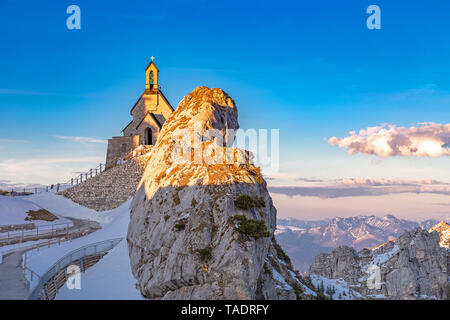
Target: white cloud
[(425, 140), (13, 141), (83, 139), (45, 170), (357, 187)]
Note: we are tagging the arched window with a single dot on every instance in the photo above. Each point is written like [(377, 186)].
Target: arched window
[(151, 79)]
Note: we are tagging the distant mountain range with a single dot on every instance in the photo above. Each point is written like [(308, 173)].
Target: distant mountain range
[(303, 240)]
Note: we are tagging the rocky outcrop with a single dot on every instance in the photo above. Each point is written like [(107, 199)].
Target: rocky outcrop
[(413, 266), (443, 229), (111, 188), (189, 237)]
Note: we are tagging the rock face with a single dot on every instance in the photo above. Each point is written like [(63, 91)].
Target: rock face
[(182, 240), (109, 189), (443, 229), (303, 240), (413, 266)]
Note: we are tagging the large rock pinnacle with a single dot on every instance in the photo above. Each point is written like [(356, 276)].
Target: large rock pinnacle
[(182, 237)]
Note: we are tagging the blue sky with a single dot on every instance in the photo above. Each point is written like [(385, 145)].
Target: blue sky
[(309, 68)]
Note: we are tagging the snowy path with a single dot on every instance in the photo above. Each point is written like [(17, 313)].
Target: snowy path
[(12, 282)]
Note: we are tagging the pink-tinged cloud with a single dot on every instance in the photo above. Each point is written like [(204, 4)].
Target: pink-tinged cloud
[(387, 182), (425, 140)]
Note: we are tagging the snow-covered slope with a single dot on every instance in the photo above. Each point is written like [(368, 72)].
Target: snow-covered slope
[(302, 240), (14, 210), (67, 208), (111, 277)]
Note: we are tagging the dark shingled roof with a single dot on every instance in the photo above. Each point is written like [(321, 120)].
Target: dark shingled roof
[(160, 118)]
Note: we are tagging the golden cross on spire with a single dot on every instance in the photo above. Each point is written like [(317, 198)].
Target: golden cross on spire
[(152, 58)]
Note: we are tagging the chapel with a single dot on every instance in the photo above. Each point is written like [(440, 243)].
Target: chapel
[(149, 114)]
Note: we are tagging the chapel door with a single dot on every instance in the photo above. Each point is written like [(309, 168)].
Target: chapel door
[(149, 138)]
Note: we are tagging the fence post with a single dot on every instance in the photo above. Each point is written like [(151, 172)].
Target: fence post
[(71, 181), (57, 187), (46, 188), (100, 167), (91, 172)]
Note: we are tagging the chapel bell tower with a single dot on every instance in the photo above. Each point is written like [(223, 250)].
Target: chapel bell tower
[(151, 72)]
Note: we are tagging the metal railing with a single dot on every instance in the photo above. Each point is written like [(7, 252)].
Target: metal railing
[(88, 250), (51, 230), (89, 174), (36, 246)]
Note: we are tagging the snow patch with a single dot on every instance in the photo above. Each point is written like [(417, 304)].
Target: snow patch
[(14, 210), (338, 288), (65, 207), (278, 277)]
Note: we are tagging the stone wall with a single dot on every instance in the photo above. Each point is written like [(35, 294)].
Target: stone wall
[(119, 147), (109, 189)]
